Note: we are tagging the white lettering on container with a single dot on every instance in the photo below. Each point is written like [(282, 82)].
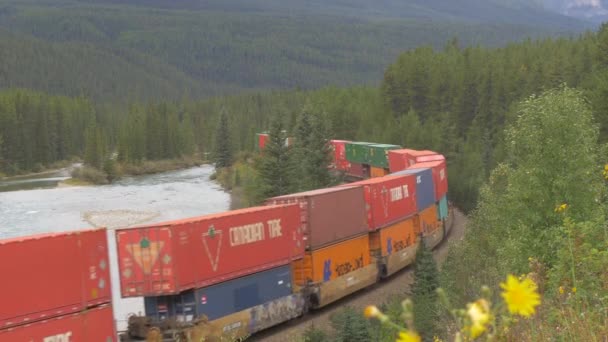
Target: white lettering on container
[(442, 174), (396, 194), (406, 192), (274, 228), (65, 337), (418, 179), (399, 193), (248, 233)]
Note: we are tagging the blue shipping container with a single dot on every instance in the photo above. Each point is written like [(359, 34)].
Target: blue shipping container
[(242, 293), (425, 188), (443, 208), (224, 298)]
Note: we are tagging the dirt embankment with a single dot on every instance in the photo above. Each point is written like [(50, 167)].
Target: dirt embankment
[(377, 294)]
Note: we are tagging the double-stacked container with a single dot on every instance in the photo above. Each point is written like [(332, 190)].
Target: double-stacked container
[(56, 286), (339, 155), (229, 267), (335, 226)]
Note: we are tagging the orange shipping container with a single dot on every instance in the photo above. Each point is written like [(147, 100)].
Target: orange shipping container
[(393, 238), (378, 172), (333, 261), (428, 220)]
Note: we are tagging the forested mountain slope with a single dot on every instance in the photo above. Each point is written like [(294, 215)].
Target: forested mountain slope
[(160, 49)]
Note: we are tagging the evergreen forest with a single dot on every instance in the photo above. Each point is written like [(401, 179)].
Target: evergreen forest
[(520, 112)]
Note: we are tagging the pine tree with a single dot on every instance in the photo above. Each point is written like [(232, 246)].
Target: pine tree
[(95, 148), (223, 151), (426, 282), (311, 152), (273, 166), (351, 326)]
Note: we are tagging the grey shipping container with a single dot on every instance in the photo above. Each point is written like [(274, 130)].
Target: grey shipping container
[(425, 188), (329, 215), (225, 298)]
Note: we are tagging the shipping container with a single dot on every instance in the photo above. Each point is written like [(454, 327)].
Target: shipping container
[(376, 172), (440, 176), (425, 187), (329, 215), (443, 208), (171, 257), (53, 274), (339, 159), (246, 322), (394, 246), (335, 271), (358, 170), (429, 158), (378, 154), (388, 199), (357, 152), (262, 140), (223, 299), (401, 159), (93, 325), (430, 227), (333, 261)]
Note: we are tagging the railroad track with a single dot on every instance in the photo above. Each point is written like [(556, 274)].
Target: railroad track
[(376, 294)]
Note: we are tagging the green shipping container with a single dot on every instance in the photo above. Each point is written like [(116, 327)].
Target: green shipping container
[(358, 152), (378, 154), (443, 208)]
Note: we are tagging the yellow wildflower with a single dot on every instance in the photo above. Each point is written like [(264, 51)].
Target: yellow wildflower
[(561, 290), (574, 290), (479, 313), (521, 297), (561, 208), (372, 311), (408, 336), (437, 339), (606, 167)]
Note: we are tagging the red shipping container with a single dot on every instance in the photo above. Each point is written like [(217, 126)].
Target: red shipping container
[(429, 158), (357, 170), (329, 215), (94, 325), (399, 160), (50, 275), (262, 140), (340, 162), (170, 257), (440, 176), (389, 199)]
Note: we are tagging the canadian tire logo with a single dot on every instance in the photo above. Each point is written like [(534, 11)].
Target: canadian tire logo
[(212, 240), (145, 253)]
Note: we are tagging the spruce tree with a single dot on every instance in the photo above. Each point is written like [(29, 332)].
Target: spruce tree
[(426, 282), (273, 166), (95, 148), (311, 152), (351, 326), (223, 151)]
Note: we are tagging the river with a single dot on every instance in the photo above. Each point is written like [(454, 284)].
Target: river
[(32, 205)]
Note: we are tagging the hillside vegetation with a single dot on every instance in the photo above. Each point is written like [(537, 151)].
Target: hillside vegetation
[(141, 50)]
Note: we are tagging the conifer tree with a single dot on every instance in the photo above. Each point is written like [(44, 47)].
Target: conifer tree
[(311, 152), (223, 151), (351, 326), (95, 148), (273, 166), (426, 282)]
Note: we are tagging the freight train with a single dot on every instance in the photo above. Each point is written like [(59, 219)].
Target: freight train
[(232, 274)]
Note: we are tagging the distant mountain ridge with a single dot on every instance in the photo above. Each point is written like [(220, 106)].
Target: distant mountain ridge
[(151, 49)]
